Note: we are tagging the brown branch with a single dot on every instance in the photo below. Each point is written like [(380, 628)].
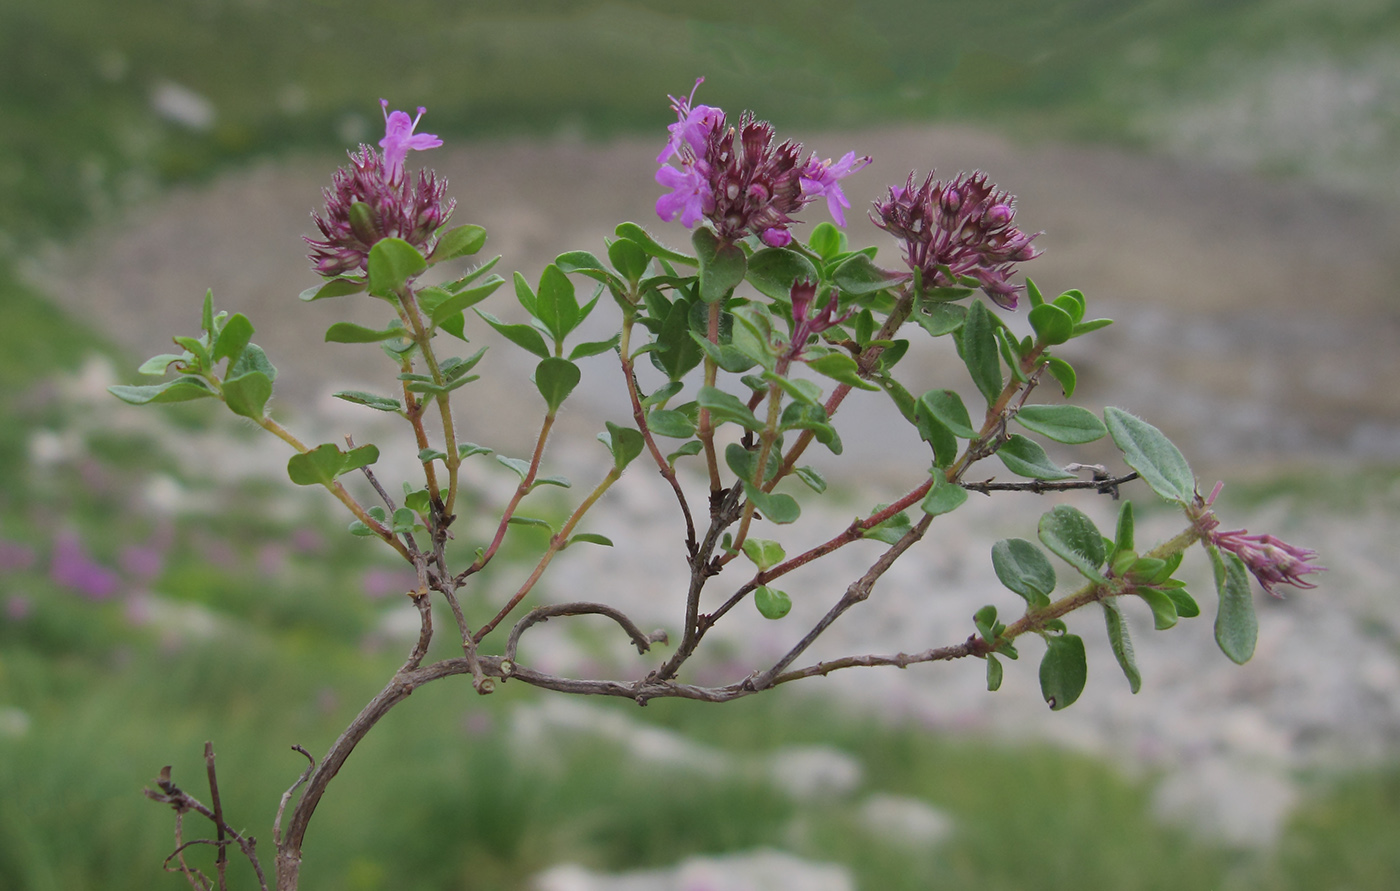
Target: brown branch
[(183, 802), (640, 640), (1104, 485)]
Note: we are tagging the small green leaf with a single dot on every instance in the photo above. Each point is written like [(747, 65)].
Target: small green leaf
[(722, 265), (890, 531), (247, 394), (536, 522), (634, 233), (1033, 294), (589, 538), (445, 309), (392, 262), (459, 241), (1148, 451), (776, 507), (181, 389), (1186, 605), (765, 554), (335, 287), (1025, 457), (725, 407), (379, 403), (1163, 608), (629, 259), (1123, 533), (986, 621), (625, 444), (234, 336), (771, 603), (320, 466), (947, 406), (1063, 372), (1062, 423), (467, 449), (1236, 626), (556, 379), (1063, 671), (519, 465), (939, 318), (158, 365), (858, 276), (980, 352), (774, 270), (667, 422), (1024, 568), (349, 332), (944, 497), (426, 455), (812, 478), (994, 673), (842, 368), (1073, 537), (826, 240), (524, 336), (556, 303), (1051, 324), (1121, 643), (196, 348), (403, 522), (594, 347), (686, 450)]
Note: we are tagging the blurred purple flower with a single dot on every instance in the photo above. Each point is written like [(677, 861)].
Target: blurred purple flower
[(72, 568), (399, 139), (372, 199), (142, 562), (955, 229), (1270, 560), (15, 556), (738, 179), (17, 607), (307, 541), (380, 582)]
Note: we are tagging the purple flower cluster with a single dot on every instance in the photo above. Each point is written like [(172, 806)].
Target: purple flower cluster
[(373, 199), (1272, 561), (959, 228), (741, 182), (805, 324)]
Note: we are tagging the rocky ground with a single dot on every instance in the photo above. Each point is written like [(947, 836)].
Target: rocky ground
[(1257, 325)]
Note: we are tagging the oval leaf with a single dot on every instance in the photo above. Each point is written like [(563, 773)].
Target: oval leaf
[(1025, 457), (771, 603), (1024, 568), (1236, 627), (1063, 671), (392, 262), (556, 379), (1073, 537), (1148, 451), (1062, 423)]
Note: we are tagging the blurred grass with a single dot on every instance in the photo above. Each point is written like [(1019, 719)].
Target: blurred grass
[(438, 797)]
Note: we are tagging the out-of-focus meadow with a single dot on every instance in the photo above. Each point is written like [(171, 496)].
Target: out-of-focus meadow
[(154, 594)]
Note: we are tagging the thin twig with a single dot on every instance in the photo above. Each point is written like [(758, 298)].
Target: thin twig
[(640, 640)]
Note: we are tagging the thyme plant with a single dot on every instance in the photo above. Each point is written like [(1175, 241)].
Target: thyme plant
[(736, 356)]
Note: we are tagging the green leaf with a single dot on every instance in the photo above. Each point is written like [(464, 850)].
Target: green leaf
[(536, 522), (247, 394), (636, 234), (980, 352), (379, 403), (890, 531), (349, 332), (335, 287), (446, 308), (994, 673), (667, 422), (426, 455), (858, 276), (157, 365), (392, 262), (1148, 451), (1123, 533), (403, 522), (947, 407), (686, 450), (252, 359), (944, 497), (725, 407), (939, 319), (467, 449), (1236, 627), (1033, 294), (1024, 568), (1051, 324), (771, 603), (826, 240), (320, 466), (1062, 423), (986, 621), (842, 368), (556, 303), (1063, 372), (519, 465), (776, 507), (1092, 325), (1072, 302), (812, 478), (765, 554), (1186, 605), (590, 538), (1063, 671), (459, 241), (1025, 457), (772, 271), (625, 444), (556, 379), (1121, 643), (181, 389), (629, 259), (1163, 609), (198, 350), (236, 333), (722, 265), (1073, 537), (594, 347), (206, 317), (525, 336)]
